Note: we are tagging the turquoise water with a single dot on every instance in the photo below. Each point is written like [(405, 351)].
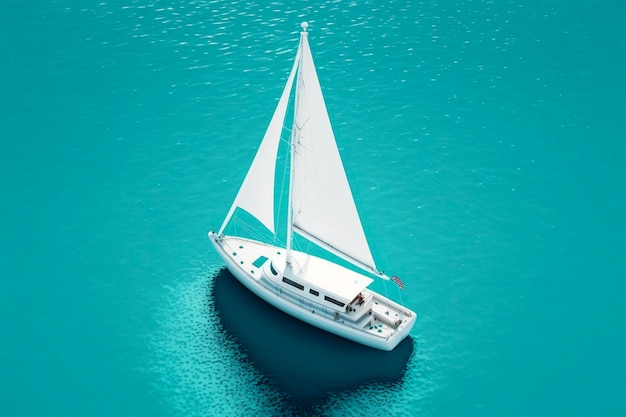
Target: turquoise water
[(486, 145)]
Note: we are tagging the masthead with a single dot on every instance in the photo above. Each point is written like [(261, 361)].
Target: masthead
[(304, 25)]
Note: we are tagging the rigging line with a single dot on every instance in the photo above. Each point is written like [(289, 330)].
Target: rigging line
[(400, 294), (287, 141), (242, 227), (282, 191), (299, 142), (298, 127)]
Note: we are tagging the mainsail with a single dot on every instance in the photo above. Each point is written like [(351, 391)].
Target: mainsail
[(322, 203)]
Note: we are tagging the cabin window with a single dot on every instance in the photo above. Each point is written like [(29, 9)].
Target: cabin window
[(260, 261), (312, 291), (293, 283), (272, 270), (332, 300)]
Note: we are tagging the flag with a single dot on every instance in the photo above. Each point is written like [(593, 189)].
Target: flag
[(398, 281)]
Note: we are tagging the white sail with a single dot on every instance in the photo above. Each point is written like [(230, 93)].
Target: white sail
[(323, 208), (256, 195)]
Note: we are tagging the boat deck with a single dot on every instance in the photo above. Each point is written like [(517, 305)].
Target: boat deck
[(368, 311), (374, 315)]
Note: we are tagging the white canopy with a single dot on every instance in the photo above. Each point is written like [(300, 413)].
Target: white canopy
[(331, 279)]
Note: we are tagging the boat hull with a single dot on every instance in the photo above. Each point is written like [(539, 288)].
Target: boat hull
[(308, 315)]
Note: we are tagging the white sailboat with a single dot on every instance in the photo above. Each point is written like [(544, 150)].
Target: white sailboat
[(320, 209)]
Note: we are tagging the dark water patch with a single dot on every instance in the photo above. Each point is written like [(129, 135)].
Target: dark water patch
[(302, 362)]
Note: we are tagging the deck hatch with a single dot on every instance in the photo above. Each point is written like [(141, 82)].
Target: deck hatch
[(259, 262)]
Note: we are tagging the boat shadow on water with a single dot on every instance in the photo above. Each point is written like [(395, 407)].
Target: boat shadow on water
[(302, 361)]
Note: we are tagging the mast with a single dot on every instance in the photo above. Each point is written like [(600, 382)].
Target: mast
[(295, 133)]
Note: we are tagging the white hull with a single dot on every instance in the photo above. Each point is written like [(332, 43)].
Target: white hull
[(376, 322)]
